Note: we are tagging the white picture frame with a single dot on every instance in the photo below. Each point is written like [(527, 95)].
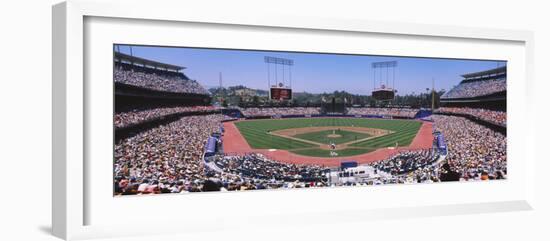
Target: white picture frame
[(73, 193)]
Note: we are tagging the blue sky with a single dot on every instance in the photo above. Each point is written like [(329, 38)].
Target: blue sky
[(312, 72)]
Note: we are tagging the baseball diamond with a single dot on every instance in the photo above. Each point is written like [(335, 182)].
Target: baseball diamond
[(312, 137)]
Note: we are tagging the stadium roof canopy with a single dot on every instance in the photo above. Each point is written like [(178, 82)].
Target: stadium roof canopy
[(485, 72), (125, 58)]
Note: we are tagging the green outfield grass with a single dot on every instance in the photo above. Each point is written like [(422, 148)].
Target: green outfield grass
[(256, 133), (322, 136)]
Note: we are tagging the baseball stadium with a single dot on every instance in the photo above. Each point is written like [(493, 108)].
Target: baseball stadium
[(279, 120)]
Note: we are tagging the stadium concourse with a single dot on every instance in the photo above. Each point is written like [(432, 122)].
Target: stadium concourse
[(170, 139)]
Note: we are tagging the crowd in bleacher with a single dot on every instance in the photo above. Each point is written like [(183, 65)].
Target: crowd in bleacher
[(124, 119), (406, 161), (401, 112), (476, 88), (475, 152), (414, 166), (497, 117), (259, 167), (156, 81), (410, 166), (280, 111), (255, 171), (167, 158)]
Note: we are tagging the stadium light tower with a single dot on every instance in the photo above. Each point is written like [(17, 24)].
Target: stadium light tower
[(282, 62), (385, 92), (280, 90), (433, 94)]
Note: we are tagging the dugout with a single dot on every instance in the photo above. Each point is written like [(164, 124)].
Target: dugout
[(347, 164)]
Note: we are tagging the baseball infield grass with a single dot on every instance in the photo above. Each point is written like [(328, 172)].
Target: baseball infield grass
[(257, 134)]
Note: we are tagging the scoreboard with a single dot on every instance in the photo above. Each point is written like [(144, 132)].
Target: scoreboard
[(383, 94), (278, 93)]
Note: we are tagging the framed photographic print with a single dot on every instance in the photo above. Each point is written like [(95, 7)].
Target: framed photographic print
[(215, 122)]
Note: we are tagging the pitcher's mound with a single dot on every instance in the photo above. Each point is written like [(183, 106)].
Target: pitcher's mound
[(334, 136)]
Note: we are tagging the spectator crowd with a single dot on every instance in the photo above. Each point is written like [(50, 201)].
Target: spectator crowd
[(124, 119), (476, 88), (259, 167), (475, 152), (164, 159), (497, 117), (401, 112), (169, 159), (157, 81), (280, 111), (410, 166), (255, 171), (406, 162)]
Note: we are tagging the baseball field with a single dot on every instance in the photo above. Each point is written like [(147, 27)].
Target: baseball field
[(328, 137)]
